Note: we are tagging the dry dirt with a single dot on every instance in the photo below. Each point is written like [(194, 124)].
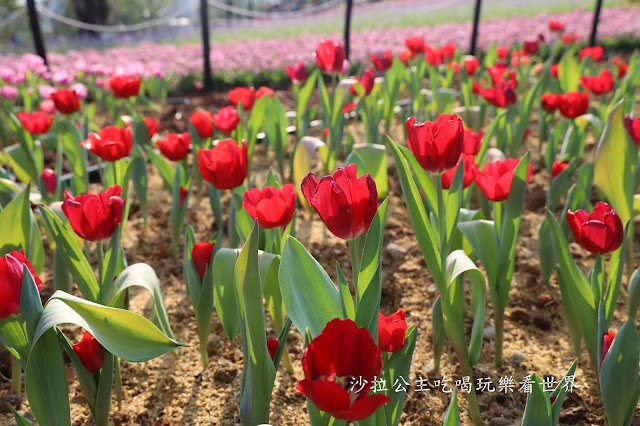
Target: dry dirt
[(175, 391)]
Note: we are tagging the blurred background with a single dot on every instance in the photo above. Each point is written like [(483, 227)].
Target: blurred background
[(104, 23)]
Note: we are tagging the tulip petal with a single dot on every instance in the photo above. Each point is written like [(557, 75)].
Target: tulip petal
[(362, 408)]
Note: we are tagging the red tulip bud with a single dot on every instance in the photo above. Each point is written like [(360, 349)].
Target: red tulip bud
[(90, 352), (11, 272), (607, 340), (50, 180), (272, 347), (391, 331), (201, 255)]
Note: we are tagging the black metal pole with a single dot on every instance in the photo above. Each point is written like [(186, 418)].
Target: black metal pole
[(347, 27), (35, 30), (476, 23), (204, 23), (594, 28)]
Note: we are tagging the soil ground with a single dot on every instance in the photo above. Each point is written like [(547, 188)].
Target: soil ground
[(176, 391)]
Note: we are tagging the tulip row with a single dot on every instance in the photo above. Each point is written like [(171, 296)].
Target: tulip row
[(444, 171)]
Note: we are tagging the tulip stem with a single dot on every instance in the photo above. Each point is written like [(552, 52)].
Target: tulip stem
[(441, 217), (474, 410), (355, 264), (16, 377), (499, 326), (100, 254)]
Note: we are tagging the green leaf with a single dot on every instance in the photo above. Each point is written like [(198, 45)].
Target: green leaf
[(451, 416), (546, 252), (348, 307), (125, 334), (260, 371), (423, 180), (141, 275), (76, 155), (224, 293), (257, 121), (634, 294), (78, 264), (458, 263), (111, 260), (309, 295), (372, 251), (569, 72), (481, 235), (615, 147), (139, 176), (164, 167), (374, 158), (46, 381), (103, 394), (15, 224), (398, 366), (30, 303), (418, 216), (537, 412), (560, 392), (619, 374), (20, 421)]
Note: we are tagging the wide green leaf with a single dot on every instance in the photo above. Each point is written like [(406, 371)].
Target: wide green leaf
[(309, 295), (615, 147), (15, 224)]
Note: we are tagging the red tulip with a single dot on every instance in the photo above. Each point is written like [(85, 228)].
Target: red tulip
[(495, 179), (391, 331), (11, 272), (50, 180), (183, 195), (416, 45), (152, 126), (340, 365), (201, 255), (502, 52), (448, 51), (36, 123), (573, 104), (66, 101), (124, 87), (558, 167), (501, 95), (272, 347), (94, 217), (531, 47), (622, 70), (331, 57), (468, 174), (570, 38), (433, 57), (554, 70), (437, 146), (110, 144), (633, 128), (367, 81), (550, 101), (471, 64), (556, 26), (226, 165), (264, 91), (404, 57), (90, 352), (472, 142), (383, 61), (595, 52), (201, 120), (607, 341), (175, 146), (325, 132), (298, 73), (599, 232), (226, 120), (600, 84), (244, 95), (346, 204), (273, 207)]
